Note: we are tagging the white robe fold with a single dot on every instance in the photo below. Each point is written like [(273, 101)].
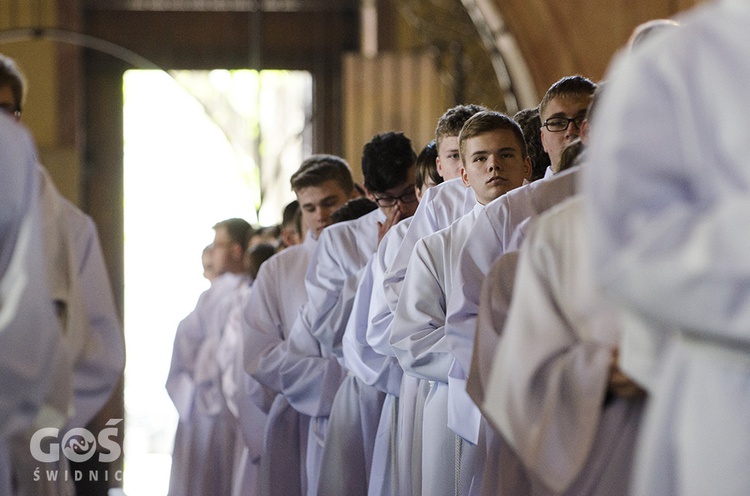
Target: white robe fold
[(343, 250), (278, 294), (547, 391), (502, 472), (374, 369), (203, 454), (368, 354), (312, 381), (271, 310), (380, 315), (242, 394), (418, 339), (381, 374), (101, 362)]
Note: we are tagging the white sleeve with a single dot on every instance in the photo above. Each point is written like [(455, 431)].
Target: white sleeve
[(418, 328), (309, 380), (263, 328), (374, 369)]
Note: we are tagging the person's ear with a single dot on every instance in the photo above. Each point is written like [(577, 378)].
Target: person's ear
[(239, 253), (583, 133), (528, 167), (368, 194), (543, 135), (464, 176)]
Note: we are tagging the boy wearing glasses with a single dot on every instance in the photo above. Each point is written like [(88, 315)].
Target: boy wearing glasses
[(438, 208), (562, 110), (313, 365)]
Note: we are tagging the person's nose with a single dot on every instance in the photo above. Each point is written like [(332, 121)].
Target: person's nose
[(572, 130), (492, 162)]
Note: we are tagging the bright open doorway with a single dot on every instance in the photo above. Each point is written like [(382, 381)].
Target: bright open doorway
[(200, 147)]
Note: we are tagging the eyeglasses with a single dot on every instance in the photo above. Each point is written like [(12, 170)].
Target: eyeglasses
[(389, 201), (559, 124)]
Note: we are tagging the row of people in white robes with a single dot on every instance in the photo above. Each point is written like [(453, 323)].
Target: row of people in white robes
[(368, 322), (218, 440)]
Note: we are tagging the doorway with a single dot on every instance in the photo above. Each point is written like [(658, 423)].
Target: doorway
[(199, 147)]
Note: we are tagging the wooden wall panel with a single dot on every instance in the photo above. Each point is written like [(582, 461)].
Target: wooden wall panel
[(560, 38), (390, 92)]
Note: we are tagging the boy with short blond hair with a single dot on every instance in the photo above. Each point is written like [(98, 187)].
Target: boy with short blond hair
[(494, 161)]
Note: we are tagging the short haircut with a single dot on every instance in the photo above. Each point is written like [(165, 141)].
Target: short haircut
[(239, 230), (387, 160), (272, 232), (427, 166), (289, 215), (487, 121), (353, 209), (530, 123), (11, 75), (569, 86), (451, 122), (318, 169), (257, 255)]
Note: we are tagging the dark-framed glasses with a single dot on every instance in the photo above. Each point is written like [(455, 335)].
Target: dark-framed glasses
[(389, 201), (559, 124)]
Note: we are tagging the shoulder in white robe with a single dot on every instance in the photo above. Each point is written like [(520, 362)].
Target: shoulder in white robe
[(380, 314), (342, 251), (273, 306)]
